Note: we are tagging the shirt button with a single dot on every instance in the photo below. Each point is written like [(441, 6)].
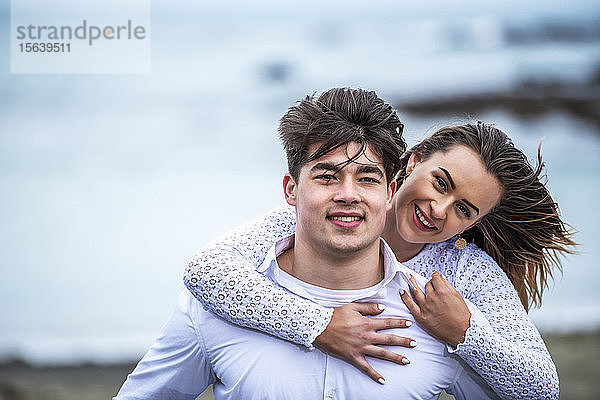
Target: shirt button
[(331, 394)]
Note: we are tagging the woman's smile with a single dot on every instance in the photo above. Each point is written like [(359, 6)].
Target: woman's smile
[(422, 222)]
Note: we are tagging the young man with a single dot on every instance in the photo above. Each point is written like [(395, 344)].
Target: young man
[(343, 150)]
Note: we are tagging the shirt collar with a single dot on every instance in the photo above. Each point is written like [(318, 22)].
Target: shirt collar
[(393, 271)]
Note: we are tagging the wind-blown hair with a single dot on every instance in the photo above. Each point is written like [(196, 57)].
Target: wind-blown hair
[(523, 233), (336, 118)]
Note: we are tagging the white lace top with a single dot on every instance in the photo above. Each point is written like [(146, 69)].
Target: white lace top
[(506, 349)]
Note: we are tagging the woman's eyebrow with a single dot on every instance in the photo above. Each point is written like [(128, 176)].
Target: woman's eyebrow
[(449, 177), (454, 187), (471, 205)]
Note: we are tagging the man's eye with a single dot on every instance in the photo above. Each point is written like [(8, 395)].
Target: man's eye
[(369, 180), (326, 177)]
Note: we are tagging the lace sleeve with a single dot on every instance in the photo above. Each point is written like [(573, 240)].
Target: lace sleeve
[(223, 277), (504, 347)]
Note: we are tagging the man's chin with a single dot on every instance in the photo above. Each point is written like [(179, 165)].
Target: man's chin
[(346, 248)]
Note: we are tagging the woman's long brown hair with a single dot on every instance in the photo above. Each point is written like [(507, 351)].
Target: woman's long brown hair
[(524, 232)]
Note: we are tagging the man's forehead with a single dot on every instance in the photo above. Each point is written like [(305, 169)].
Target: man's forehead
[(350, 153)]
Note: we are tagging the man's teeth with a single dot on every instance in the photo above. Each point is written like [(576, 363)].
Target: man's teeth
[(423, 220), (346, 219)]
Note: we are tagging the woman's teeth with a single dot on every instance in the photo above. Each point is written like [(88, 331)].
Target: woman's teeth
[(423, 220)]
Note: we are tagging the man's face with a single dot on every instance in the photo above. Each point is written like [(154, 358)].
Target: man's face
[(340, 213)]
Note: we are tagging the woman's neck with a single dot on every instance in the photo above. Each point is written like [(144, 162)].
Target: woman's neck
[(403, 250)]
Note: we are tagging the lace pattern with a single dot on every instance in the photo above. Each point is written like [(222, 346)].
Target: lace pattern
[(241, 295), (504, 348)]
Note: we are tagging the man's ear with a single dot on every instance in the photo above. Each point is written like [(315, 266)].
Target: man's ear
[(413, 160), (391, 191), (289, 189)]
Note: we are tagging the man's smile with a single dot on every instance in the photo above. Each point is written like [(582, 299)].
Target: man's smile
[(346, 220)]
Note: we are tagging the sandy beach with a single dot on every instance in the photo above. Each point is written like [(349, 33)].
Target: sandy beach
[(576, 357)]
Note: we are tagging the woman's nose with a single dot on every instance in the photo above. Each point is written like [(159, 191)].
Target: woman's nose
[(439, 208)]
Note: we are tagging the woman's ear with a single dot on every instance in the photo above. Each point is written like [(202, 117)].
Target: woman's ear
[(289, 189), (413, 160)]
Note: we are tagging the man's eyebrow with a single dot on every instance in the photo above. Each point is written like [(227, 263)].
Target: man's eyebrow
[(449, 177), (362, 169), (454, 187), (324, 166), (369, 169)]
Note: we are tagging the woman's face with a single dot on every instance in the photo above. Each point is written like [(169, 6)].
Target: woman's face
[(444, 195)]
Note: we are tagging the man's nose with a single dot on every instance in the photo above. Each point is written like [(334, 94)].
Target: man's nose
[(347, 192)]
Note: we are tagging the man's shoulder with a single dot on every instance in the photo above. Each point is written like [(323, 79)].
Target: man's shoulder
[(189, 306), (397, 269), (449, 251), (445, 257)]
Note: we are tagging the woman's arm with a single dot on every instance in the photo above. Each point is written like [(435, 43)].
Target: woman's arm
[(517, 363), (501, 344), (223, 277)]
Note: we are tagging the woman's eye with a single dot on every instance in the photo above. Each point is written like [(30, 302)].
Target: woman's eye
[(441, 183), (464, 210)]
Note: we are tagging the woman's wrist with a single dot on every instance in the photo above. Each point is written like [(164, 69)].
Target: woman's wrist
[(461, 332)]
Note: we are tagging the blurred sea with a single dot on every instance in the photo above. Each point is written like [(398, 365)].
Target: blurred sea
[(110, 183)]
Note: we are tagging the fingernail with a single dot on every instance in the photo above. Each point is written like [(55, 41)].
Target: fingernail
[(408, 323), (381, 380), (381, 307), (413, 343), (402, 292), (405, 361)]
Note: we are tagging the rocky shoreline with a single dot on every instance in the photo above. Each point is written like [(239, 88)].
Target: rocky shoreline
[(526, 100)]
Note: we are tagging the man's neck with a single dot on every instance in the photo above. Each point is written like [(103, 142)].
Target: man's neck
[(357, 270)]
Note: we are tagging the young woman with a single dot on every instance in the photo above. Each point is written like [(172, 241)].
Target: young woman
[(514, 248)]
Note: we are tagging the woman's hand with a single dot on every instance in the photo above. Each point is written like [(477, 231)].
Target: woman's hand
[(351, 336), (441, 310)]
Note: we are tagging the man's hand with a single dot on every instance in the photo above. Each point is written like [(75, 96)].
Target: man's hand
[(441, 310), (351, 336)]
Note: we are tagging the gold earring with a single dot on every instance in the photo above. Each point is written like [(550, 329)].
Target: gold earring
[(460, 242)]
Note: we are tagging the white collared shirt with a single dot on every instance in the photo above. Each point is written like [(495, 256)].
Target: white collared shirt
[(197, 349)]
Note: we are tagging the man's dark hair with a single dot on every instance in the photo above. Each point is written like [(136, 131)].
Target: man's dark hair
[(336, 118)]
